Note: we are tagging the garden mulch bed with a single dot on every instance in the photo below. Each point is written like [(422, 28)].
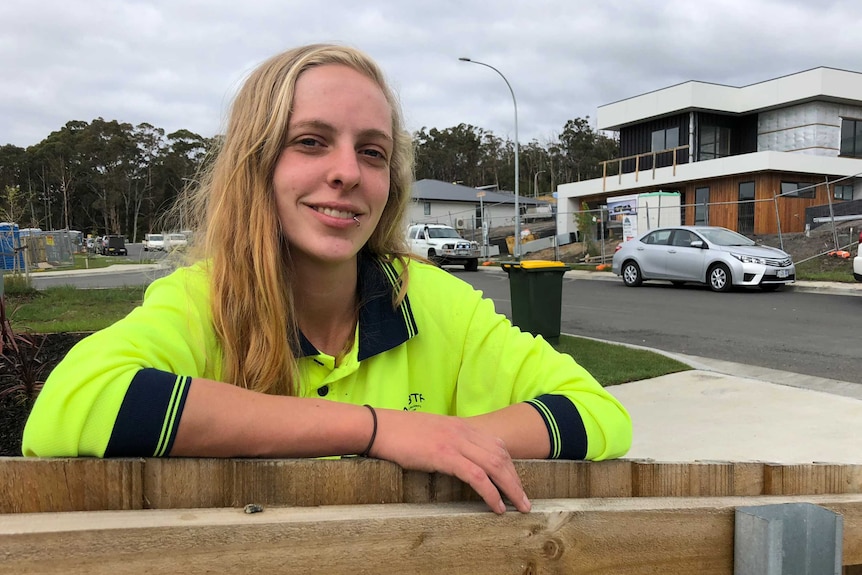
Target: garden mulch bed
[(48, 350)]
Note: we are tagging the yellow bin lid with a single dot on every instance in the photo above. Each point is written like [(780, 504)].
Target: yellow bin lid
[(533, 264)]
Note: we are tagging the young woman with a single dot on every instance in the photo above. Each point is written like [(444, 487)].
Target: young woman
[(303, 329)]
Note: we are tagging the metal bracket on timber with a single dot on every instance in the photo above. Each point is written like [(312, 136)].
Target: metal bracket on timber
[(787, 539)]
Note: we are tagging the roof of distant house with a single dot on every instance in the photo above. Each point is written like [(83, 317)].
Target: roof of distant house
[(436, 190)]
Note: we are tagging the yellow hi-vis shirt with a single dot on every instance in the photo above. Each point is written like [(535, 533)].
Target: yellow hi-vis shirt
[(121, 391)]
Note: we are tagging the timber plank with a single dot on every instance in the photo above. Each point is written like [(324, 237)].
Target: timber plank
[(812, 479), (673, 535), (78, 484), (173, 483), (179, 482), (310, 482)]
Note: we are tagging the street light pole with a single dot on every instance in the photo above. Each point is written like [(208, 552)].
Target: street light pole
[(535, 182), (517, 174)]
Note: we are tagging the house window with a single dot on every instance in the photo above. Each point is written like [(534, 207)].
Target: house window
[(844, 192), (701, 206), (714, 142), (798, 189), (745, 211), (665, 139), (427, 207), (851, 138)]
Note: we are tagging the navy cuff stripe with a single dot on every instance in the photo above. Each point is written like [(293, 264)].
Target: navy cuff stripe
[(149, 416), (565, 426)]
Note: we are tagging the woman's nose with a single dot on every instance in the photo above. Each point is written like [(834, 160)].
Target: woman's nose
[(345, 171)]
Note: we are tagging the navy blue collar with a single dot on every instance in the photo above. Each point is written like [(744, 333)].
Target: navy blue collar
[(381, 325)]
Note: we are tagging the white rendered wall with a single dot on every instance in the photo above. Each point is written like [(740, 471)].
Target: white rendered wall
[(813, 128)]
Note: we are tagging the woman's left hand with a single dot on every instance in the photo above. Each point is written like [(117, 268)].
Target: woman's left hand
[(450, 445)]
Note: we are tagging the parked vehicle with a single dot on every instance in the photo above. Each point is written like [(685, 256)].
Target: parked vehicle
[(857, 261), (154, 242), (711, 255), (175, 240), (443, 245), (115, 246)]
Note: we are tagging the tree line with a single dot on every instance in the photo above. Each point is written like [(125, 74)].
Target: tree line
[(107, 177)]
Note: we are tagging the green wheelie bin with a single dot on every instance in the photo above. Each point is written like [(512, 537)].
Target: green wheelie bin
[(536, 288)]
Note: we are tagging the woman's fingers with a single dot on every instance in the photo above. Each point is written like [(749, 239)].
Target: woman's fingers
[(449, 445), (489, 470)]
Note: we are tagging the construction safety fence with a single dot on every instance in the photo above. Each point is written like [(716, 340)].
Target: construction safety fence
[(601, 229), (21, 251)]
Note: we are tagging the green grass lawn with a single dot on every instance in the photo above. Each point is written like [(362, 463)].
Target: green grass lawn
[(826, 269), (612, 364), (67, 309)]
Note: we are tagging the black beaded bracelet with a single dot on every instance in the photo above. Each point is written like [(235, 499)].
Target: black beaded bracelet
[(373, 432)]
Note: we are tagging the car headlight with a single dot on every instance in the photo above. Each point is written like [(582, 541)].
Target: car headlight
[(749, 259)]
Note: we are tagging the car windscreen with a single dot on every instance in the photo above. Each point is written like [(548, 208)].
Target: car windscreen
[(722, 237), (155, 238), (442, 233)]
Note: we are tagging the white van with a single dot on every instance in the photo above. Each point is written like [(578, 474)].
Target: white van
[(154, 243), (175, 240)]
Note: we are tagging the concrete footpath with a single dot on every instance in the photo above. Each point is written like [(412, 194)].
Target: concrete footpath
[(731, 412)]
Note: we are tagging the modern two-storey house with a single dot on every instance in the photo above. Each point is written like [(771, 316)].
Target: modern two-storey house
[(753, 159)]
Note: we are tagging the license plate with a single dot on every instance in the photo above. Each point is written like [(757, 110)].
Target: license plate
[(783, 273), (463, 252)]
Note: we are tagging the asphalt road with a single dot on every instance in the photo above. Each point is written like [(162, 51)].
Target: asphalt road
[(807, 333)]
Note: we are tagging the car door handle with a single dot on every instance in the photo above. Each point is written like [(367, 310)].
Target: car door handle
[(671, 251)]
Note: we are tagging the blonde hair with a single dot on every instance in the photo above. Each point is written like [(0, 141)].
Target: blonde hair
[(236, 221)]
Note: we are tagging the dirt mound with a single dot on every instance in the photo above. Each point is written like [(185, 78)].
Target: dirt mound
[(817, 242)]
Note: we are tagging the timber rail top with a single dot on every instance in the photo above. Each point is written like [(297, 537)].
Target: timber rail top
[(362, 516), (84, 484)]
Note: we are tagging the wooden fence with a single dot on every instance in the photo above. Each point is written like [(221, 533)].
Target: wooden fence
[(369, 516)]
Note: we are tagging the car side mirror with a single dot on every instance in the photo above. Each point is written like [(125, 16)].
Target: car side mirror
[(697, 244)]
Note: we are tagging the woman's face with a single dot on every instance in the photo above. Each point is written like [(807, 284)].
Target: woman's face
[(334, 169)]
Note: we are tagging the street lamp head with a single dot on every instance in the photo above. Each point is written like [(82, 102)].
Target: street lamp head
[(465, 59)]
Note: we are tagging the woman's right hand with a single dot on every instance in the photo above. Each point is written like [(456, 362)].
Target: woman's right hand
[(450, 445)]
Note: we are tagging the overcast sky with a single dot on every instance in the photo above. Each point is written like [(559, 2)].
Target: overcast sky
[(177, 63)]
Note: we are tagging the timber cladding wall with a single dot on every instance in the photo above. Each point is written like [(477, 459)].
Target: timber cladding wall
[(368, 516), (724, 201)]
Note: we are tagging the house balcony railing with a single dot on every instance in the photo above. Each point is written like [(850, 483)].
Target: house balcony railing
[(637, 159)]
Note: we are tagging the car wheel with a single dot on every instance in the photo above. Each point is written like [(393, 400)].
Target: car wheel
[(719, 278), (471, 265), (631, 274), (771, 287), (432, 257)]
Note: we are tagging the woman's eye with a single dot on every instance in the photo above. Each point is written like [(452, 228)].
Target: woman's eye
[(374, 153), (310, 142)]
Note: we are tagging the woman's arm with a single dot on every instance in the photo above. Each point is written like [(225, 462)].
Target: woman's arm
[(222, 420)]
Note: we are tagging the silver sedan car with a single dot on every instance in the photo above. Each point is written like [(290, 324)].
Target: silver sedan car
[(711, 255)]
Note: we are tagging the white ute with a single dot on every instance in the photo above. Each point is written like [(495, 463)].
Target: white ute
[(443, 245)]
